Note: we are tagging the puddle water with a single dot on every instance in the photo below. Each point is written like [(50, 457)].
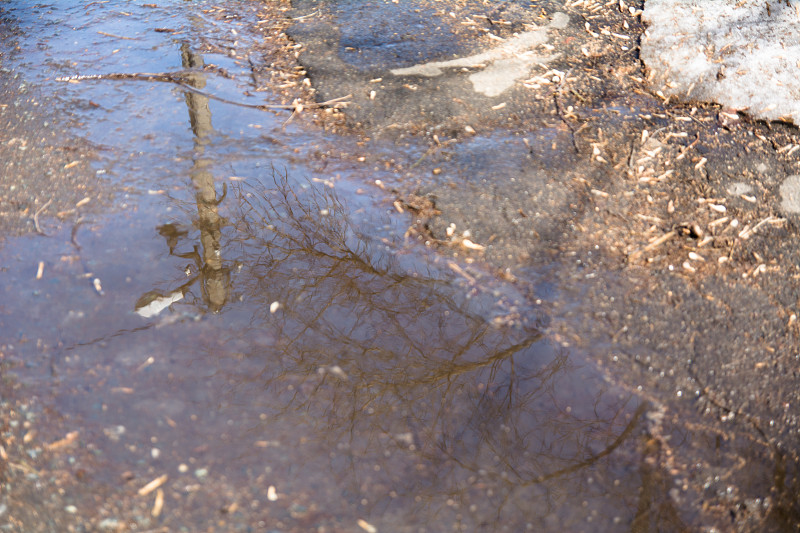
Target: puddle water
[(263, 336)]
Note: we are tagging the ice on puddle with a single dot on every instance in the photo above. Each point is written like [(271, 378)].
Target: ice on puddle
[(742, 54)]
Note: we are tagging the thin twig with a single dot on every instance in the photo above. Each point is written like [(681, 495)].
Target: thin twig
[(660, 240), (749, 232), (175, 78), (263, 107), (36, 218), (306, 16), (118, 36), (655, 244), (256, 106)]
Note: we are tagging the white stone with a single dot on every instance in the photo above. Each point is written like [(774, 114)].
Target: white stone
[(738, 188), (790, 195)]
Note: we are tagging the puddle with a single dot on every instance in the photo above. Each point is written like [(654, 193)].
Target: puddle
[(372, 390), (243, 342)]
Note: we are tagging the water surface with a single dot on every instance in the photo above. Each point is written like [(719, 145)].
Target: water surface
[(248, 320)]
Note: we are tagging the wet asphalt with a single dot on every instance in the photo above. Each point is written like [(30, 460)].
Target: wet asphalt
[(654, 235), (660, 233)]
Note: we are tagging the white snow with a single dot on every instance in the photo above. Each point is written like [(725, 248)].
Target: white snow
[(741, 54)]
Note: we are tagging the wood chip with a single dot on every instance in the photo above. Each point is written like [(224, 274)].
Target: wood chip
[(461, 271), (366, 526), (153, 485), (466, 243), (68, 439), (718, 222), (660, 240), (158, 505)]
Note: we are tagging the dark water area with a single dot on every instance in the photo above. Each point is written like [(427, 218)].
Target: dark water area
[(262, 334)]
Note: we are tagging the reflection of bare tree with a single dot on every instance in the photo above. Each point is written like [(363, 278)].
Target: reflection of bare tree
[(213, 276), (395, 369)]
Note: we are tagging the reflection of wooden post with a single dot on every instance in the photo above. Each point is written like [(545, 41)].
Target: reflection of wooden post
[(215, 277)]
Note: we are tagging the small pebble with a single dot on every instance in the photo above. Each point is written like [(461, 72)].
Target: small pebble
[(109, 524), (200, 473)]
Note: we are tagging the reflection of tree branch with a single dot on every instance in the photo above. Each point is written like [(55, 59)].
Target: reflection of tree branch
[(417, 373), (594, 458), (403, 345)]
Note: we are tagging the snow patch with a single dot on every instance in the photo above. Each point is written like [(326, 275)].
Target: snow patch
[(743, 54)]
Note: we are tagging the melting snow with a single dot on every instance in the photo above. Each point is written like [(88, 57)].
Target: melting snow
[(743, 54)]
